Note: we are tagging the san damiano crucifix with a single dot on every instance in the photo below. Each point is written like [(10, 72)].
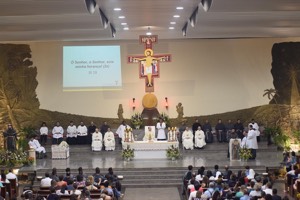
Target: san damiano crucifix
[(149, 63)]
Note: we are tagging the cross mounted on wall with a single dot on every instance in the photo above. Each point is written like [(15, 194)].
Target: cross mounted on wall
[(149, 63)]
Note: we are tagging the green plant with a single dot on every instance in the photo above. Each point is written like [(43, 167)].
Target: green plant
[(245, 153), (281, 139), (173, 152), (128, 153), (23, 136), (136, 120), (165, 118)]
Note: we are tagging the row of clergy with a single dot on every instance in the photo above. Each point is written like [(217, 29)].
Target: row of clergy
[(189, 141)]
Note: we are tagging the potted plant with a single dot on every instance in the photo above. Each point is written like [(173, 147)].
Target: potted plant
[(128, 153), (13, 159), (137, 120), (245, 153), (173, 152)]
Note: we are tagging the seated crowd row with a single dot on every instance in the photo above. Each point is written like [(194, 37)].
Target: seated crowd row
[(81, 185), (216, 185)]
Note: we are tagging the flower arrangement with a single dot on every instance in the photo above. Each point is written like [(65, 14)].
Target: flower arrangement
[(10, 158), (173, 152), (29, 161), (64, 144), (245, 153), (165, 118), (136, 120), (128, 153)]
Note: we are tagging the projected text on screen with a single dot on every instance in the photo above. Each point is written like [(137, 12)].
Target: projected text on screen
[(91, 68)]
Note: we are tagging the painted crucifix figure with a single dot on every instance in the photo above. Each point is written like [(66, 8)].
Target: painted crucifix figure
[(149, 64)]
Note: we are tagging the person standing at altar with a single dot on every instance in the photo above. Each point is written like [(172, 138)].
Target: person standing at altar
[(97, 140), (161, 126), (57, 134), (252, 142), (239, 128), (91, 130), (244, 140), (11, 138), (43, 133), (71, 133), (199, 138), (149, 135), (256, 129), (104, 128), (121, 130), (109, 140), (195, 126), (82, 134), (187, 139)]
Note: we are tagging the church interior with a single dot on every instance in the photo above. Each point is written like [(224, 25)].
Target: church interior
[(154, 72)]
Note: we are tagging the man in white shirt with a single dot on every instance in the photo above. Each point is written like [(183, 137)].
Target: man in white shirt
[(255, 128), (82, 134), (57, 134), (71, 133), (252, 142), (43, 133), (161, 126), (11, 175), (35, 144), (121, 130), (46, 182)]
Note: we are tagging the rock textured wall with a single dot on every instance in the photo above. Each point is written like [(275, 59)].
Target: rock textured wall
[(286, 71)]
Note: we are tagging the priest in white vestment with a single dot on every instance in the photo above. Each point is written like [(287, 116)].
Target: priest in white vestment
[(109, 140), (121, 130), (71, 133), (57, 134), (82, 134), (199, 138), (35, 144), (97, 140), (187, 139), (149, 134), (161, 126)]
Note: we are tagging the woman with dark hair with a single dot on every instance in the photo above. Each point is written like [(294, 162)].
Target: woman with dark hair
[(79, 181), (232, 180), (200, 175), (216, 195)]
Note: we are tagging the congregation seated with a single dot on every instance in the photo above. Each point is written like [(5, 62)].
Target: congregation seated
[(109, 140), (187, 139), (97, 140)]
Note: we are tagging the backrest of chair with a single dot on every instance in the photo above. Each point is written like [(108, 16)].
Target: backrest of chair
[(43, 193), (3, 191), (298, 186), (8, 188)]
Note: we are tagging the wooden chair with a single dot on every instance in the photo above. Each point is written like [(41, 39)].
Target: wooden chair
[(95, 196), (8, 189), (64, 197), (14, 187), (44, 188), (43, 193), (3, 191)]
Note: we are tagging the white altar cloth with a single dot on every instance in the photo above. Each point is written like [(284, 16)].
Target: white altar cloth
[(149, 146)]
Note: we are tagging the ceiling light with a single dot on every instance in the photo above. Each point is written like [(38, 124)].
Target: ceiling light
[(91, 5), (125, 28), (176, 16), (117, 9), (179, 8), (173, 23), (206, 4), (124, 24), (148, 33), (121, 17), (171, 27)]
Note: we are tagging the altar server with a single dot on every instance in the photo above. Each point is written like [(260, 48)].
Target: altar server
[(161, 126), (121, 130), (57, 134), (82, 134), (71, 133)]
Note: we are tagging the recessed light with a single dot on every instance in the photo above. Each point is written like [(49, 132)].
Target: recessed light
[(125, 28), (148, 33), (171, 27), (173, 23), (179, 8), (117, 9), (121, 17), (124, 24), (176, 16)]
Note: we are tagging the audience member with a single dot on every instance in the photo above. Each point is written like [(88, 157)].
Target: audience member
[(46, 182)]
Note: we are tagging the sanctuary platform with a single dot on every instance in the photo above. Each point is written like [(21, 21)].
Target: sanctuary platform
[(158, 173)]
